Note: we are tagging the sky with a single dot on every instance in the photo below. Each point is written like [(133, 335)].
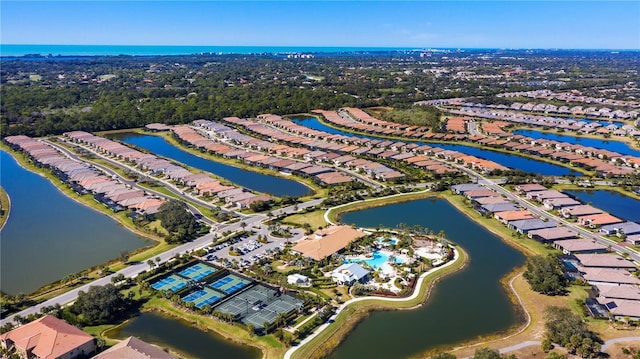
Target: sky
[(419, 24)]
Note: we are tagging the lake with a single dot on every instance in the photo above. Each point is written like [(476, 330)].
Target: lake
[(613, 202), (180, 336), (615, 146), (462, 306), (251, 180), (48, 235), (508, 160)]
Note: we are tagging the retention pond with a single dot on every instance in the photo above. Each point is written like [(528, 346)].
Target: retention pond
[(48, 235), (183, 338), (464, 305)]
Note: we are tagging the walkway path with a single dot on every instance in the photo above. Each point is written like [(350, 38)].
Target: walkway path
[(414, 295)]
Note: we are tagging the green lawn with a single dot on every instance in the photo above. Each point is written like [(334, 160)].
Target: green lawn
[(315, 219)]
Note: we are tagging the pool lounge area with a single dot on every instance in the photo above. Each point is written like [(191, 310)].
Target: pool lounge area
[(379, 260)]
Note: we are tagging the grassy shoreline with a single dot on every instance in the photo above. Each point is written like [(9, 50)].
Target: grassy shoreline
[(5, 206)]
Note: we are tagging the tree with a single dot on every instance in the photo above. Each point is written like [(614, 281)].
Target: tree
[(544, 275), (443, 355), (124, 256), (569, 330), (177, 220), (151, 263), (486, 353), (99, 305)]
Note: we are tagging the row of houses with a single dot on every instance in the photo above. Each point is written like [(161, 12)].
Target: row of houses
[(609, 274), (85, 179), (602, 161), (568, 124), (52, 338), (575, 96), (256, 153), (586, 215), (318, 149), (199, 183)]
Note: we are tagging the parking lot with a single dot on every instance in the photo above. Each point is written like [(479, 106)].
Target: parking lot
[(248, 247)]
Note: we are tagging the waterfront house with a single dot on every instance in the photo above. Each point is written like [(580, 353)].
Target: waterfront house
[(552, 234), (605, 260), (556, 203), (596, 220), (573, 246), (526, 225), (620, 229), (497, 207), (510, 216), (581, 210), (608, 276), (349, 273), (462, 188), (48, 338), (134, 348)]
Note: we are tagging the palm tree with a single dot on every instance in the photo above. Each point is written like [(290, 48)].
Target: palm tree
[(151, 263)]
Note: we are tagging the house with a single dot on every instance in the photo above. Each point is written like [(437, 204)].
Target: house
[(497, 207), (552, 234), (462, 188), (517, 215), (582, 210), (608, 276), (48, 338), (349, 273), (526, 225), (622, 309), (572, 246), (325, 242), (134, 348), (620, 229), (299, 280), (596, 220), (556, 203), (605, 260)]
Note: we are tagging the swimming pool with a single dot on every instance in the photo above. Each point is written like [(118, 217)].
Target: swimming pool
[(377, 261)]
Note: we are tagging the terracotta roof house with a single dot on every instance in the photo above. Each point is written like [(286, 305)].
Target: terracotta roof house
[(134, 348), (508, 216), (48, 338), (327, 241), (595, 220)]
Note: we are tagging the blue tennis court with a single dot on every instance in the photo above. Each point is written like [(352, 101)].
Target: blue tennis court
[(198, 271), (172, 283), (230, 284), (206, 296)]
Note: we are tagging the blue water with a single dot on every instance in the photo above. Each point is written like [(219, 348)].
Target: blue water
[(151, 50), (49, 235), (251, 180), (377, 260), (615, 146), (511, 161), (610, 201)]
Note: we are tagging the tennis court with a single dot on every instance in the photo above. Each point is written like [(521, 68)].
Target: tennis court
[(206, 296), (172, 283), (230, 284), (198, 271)]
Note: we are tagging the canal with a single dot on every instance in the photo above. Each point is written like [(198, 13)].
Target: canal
[(613, 202), (251, 180), (180, 336), (464, 305), (512, 161), (615, 146), (48, 235)]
